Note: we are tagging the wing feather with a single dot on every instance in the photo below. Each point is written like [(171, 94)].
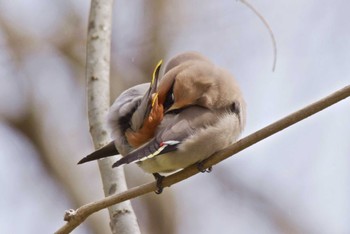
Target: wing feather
[(174, 129)]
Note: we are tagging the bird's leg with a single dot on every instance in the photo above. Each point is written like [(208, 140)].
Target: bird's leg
[(201, 168), (159, 178)]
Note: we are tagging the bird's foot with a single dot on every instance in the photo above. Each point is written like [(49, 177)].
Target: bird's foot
[(201, 168), (159, 178)]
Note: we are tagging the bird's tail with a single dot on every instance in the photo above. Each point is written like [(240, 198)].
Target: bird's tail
[(149, 150), (105, 151)]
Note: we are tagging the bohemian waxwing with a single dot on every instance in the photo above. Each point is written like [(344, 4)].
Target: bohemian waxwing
[(198, 108), (204, 112)]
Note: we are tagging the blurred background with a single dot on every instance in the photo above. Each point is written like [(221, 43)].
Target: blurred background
[(296, 181)]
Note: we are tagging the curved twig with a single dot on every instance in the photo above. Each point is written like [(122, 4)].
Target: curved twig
[(274, 44)]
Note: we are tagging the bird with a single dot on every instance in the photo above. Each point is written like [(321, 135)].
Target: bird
[(197, 109)]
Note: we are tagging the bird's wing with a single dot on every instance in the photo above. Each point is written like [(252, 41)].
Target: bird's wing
[(145, 105), (106, 151), (174, 129)]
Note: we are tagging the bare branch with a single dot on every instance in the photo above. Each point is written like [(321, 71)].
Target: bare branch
[(78, 216), (97, 78)]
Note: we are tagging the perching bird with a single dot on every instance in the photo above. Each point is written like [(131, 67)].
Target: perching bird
[(199, 110)]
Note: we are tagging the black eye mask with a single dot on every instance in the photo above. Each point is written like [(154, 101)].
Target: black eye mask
[(169, 98)]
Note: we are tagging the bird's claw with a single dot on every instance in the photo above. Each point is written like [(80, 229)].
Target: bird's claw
[(159, 178), (201, 168)]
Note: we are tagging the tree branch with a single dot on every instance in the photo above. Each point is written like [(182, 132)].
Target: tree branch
[(97, 79), (76, 217)]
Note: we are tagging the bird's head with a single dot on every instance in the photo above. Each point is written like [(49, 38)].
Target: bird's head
[(198, 82)]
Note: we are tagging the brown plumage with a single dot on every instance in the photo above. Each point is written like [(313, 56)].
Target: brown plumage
[(197, 109)]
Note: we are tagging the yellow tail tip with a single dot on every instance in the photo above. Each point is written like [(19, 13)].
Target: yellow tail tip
[(155, 70)]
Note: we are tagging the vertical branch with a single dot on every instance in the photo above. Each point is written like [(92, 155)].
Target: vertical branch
[(97, 77)]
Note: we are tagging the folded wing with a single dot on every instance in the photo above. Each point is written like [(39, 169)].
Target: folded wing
[(175, 129)]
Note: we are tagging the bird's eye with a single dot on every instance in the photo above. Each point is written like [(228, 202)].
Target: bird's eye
[(170, 99)]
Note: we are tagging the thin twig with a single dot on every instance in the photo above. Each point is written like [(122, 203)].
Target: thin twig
[(274, 44), (78, 216)]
